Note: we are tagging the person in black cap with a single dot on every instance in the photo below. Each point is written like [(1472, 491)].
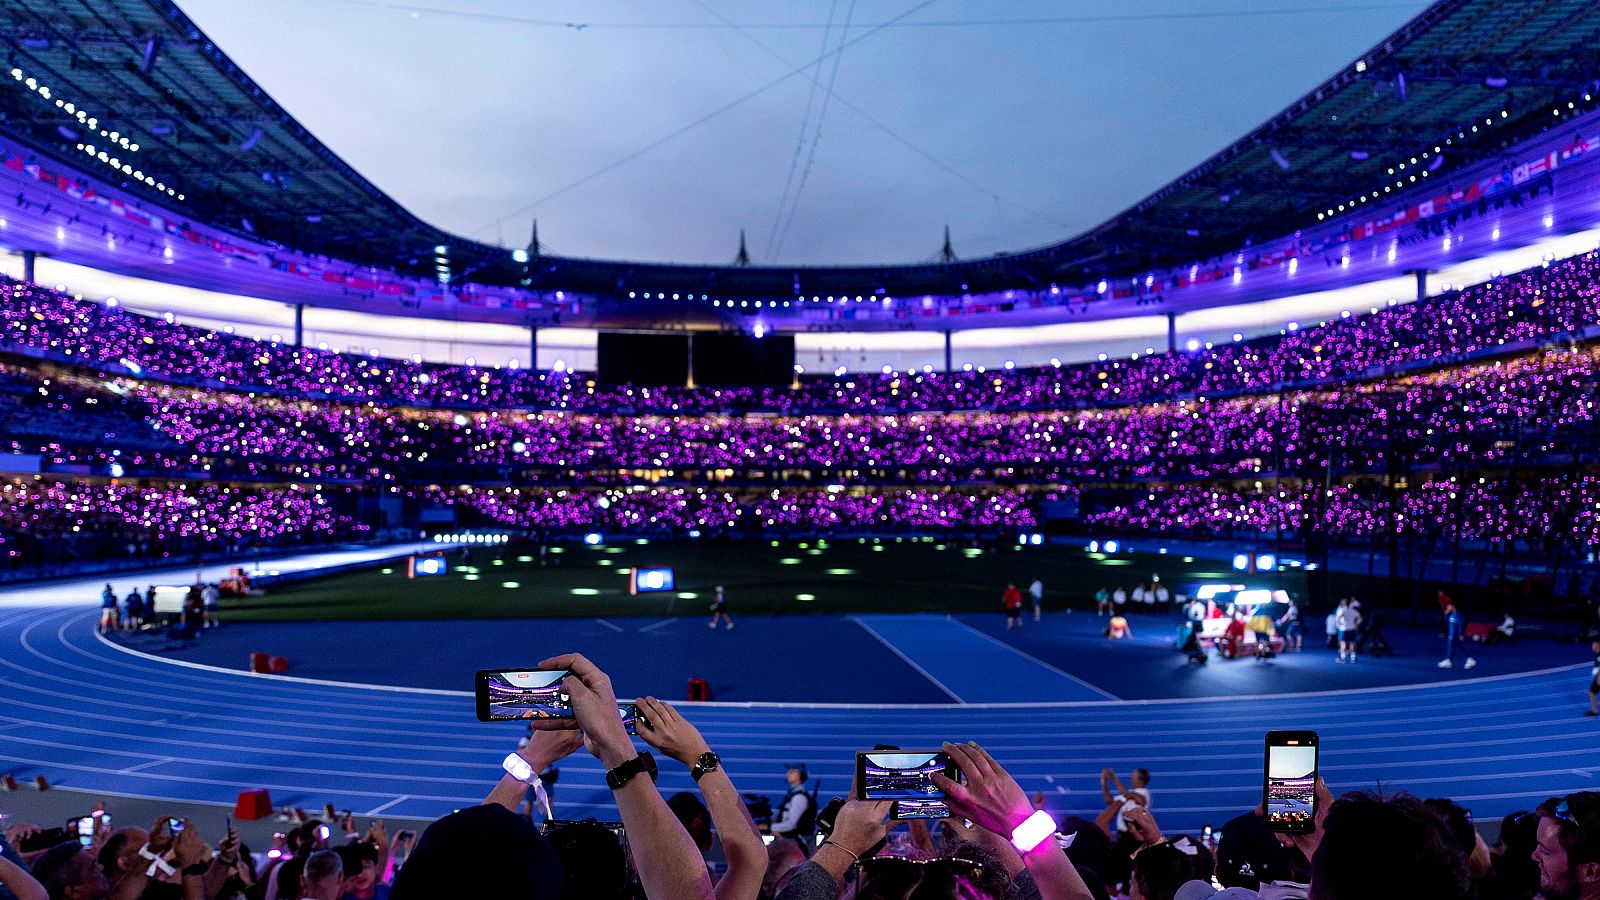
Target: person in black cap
[(796, 818), (1248, 855), (482, 851)]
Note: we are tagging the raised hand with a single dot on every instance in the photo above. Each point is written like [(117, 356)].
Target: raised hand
[(594, 707), (1142, 825), (546, 748), (189, 848), (991, 797), (671, 732)]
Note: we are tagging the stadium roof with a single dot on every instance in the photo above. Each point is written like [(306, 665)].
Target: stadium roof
[(1491, 71)]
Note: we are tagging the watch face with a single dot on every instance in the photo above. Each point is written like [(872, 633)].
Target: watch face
[(709, 761)]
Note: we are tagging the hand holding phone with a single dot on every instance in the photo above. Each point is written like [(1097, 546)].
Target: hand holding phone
[(1289, 794), (990, 797)]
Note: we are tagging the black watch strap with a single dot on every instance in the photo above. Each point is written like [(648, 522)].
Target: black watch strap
[(624, 773), (708, 762), (199, 868)]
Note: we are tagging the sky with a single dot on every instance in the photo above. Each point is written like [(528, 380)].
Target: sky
[(658, 130)]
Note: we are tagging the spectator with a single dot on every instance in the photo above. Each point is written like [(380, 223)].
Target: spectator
[(1347, 619), (1455, 632), (1568, 847), (1125, 798), (1036, 592), (322, 877), (359, 863), (595, 863), (1012, 598), (1353, 852)]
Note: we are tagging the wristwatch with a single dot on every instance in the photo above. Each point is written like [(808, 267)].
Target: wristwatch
[(624, 773), (708, 762)]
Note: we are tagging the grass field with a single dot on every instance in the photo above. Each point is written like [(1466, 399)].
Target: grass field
[(885, 575)]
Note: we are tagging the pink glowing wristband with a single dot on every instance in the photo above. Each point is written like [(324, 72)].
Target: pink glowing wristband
[(1033, 831)]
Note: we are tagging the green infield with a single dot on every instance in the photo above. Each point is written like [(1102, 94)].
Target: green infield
[(834, 576)]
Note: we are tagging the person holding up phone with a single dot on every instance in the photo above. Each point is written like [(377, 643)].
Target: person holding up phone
[(669, 863), (670, 733)]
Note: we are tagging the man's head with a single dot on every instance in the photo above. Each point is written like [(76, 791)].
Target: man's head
[(360, 862), (323, 876), (595, 862), (784, 855), (695, 817), (1568, 847), (70, 872), (1248, 855), (1595, 646), (1141, 778), (121, 852), (1358, 858), (797, 774), (481, 851)]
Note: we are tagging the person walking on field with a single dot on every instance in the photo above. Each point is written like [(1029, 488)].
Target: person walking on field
[(1036, 592), (1013, 602), (719, 610)]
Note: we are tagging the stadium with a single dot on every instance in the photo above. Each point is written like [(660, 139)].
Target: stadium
[(1302, 439)]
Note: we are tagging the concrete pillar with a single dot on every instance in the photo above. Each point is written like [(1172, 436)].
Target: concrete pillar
[(1422, 284), (299, 324), (1172, 332), (949, 365), (28, 258), (533, 346)]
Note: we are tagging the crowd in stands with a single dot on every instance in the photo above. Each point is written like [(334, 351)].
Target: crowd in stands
[(998, 843), (1558, 298), (51, 524), (1468, 411)]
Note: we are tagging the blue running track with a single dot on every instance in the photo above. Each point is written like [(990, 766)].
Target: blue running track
[(97, 717)]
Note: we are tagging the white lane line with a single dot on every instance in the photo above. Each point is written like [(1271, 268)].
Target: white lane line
[(908, 660), (154, 762), (380, 808), (609, 625), (659, 624), (1035, 660)]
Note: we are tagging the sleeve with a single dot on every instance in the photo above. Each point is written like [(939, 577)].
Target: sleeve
[(810, 882), (1023, 887)]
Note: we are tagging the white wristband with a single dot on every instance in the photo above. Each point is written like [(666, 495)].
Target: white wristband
[(1033, 831), (157, 864), (518, 768)]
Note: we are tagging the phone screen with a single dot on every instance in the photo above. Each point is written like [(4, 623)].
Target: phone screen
[(919, 809), (1291, 781), (84, 828), (901, 774), (511, 694), (630, 716)]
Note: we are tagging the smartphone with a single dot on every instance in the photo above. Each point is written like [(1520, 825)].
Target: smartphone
[(45, 839), (630, 717), (83, 827), (901, 774), (919, 809), (1289, 794), (512, 694), (176, 825)]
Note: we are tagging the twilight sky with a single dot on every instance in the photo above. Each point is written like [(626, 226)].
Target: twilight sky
[(658, 130)]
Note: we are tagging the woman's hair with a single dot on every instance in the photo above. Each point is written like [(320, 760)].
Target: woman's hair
[(1159, 870)]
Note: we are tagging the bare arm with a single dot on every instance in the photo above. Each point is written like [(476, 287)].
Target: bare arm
[(544, 749), (993, 799), (669, 864), (673, 735), (16, 879)]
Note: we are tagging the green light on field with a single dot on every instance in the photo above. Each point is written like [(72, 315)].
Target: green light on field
[(511, 585), (624, 571), (788, 561), (498, 562), (585, 592), (643, 542), (774, 543), (877, 548), (688, 595), (613, 549), (388, 571), (939, 547), (972, 552), (470, 578), (1097, 556), (1188, 559), (1116, 562), (558, 549), (841, 571), (804, 545), (813, 552), (524, 559), (805, 598), (606, 562), (471, 570)]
